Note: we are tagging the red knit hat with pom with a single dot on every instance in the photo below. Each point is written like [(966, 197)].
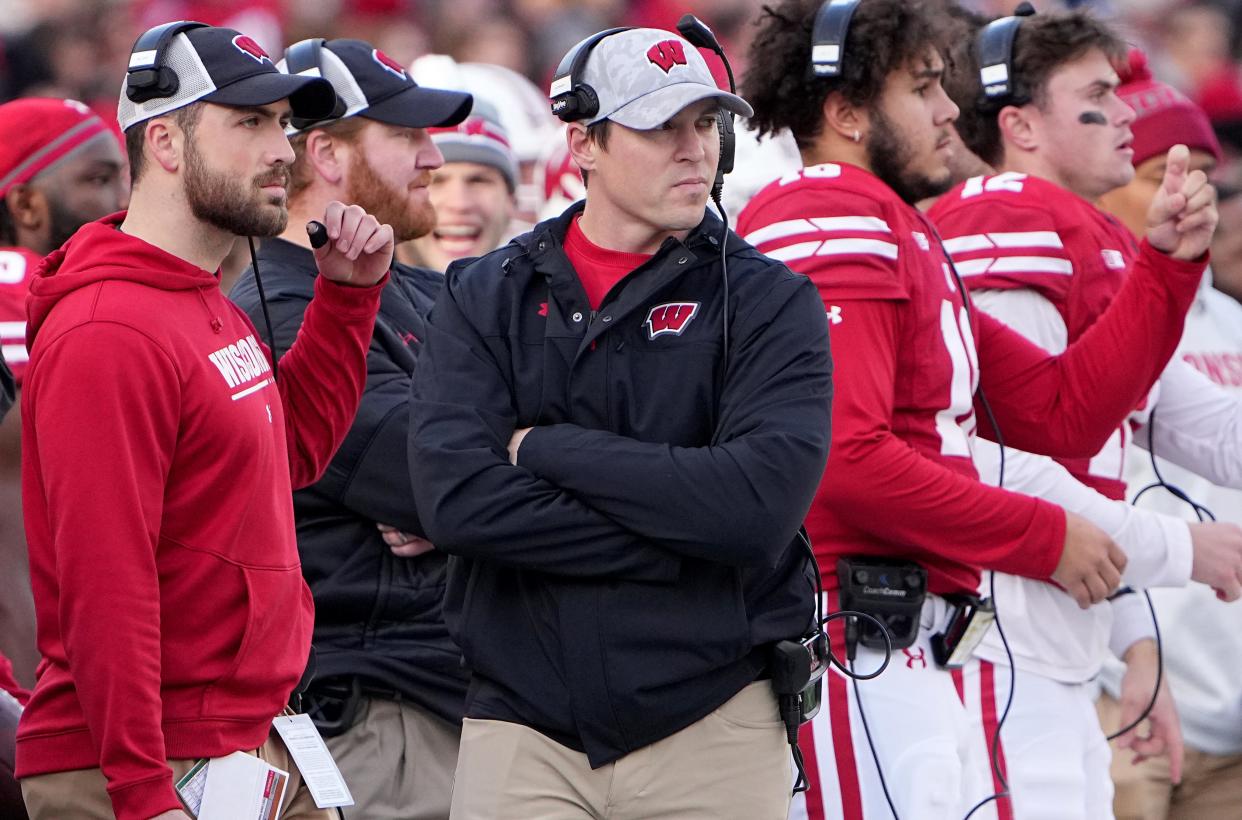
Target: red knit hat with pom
[(1164, 116)]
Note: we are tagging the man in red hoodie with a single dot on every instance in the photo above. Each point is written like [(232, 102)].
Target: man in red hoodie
[(160, 450)]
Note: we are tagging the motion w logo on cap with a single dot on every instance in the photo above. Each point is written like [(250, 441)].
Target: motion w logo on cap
[(667, 54), (246, 45)]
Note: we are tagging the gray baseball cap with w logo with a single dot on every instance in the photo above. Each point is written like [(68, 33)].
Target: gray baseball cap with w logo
[(645, 76)]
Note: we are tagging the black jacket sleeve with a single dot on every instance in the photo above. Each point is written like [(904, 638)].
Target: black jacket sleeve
[(475, 503), (369, 474), (740, 500)]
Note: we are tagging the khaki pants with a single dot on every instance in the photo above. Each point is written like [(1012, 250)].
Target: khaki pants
[(1211, 787), (398, 760), (82, 794), (733, 764)]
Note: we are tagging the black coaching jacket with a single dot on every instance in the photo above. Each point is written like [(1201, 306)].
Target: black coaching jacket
[(628, 576), (377, 616)]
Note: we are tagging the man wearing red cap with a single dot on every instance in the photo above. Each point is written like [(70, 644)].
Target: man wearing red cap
[(1036, 253), (1202, 636), (60, 167)]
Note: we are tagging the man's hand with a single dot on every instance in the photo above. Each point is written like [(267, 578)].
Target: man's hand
[(359, 249), (515, 441), (1091, 563), (1182, 217), (1217, 558), (403, 544), (172, 815), (1164, 730)]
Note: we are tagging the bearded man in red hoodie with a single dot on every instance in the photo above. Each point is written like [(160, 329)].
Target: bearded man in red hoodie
[(160, 450)]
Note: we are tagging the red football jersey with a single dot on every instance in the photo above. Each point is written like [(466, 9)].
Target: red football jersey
[(17, 266), (1012, 231), (900, 481)]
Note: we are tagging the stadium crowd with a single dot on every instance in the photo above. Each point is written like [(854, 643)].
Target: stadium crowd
[(546, 409)]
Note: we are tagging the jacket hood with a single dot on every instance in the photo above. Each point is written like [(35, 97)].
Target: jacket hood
[(100, 252)]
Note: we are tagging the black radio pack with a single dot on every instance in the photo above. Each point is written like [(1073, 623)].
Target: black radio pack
[(892, 592), (798, 669)]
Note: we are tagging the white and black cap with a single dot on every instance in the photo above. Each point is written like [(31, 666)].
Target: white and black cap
[(370, 84), (180, 63)]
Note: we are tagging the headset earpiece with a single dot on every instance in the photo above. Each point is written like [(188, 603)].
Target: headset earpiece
[(832, 24), (573, 99), (305, 57), (148, 78), (995, 52)]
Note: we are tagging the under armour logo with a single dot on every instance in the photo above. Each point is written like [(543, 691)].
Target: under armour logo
[(912, 659), (834, 314)]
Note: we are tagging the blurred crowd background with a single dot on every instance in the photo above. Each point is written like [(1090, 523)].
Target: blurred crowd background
[(78, 48)]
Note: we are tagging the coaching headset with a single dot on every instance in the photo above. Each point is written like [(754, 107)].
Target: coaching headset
[(573, 99), (305, 56), (148, 78), (995, 52), (832, 22)]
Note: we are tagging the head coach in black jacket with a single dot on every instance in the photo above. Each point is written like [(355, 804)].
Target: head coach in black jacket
[(618, 480), (388, 688)]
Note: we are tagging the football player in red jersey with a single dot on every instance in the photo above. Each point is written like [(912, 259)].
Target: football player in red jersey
[(1039, 255), (60, 167), (900, 482)]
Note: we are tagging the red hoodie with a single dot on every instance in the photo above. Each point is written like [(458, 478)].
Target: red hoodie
[(159, 461)]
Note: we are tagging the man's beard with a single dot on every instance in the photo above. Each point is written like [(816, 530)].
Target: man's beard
[(889, 157), (388, 205), (63, 223), (230, 204)]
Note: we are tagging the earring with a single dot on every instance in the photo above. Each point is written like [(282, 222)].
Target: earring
[(857, 136)]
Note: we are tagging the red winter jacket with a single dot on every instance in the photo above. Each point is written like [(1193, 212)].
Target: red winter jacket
[(159, 462)]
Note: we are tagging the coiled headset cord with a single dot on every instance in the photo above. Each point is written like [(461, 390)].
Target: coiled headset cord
[(1203, 514)]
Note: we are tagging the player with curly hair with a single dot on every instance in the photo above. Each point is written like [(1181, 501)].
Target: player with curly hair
[(913, 361)]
